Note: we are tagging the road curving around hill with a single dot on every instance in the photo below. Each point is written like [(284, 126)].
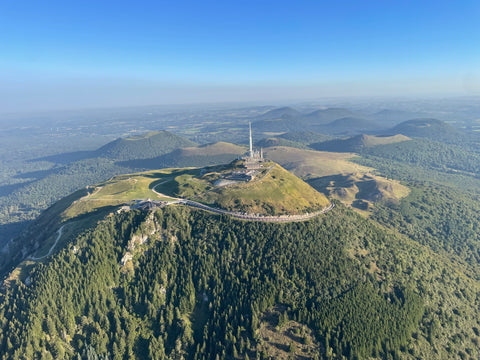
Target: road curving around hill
[(257, 217), (151, 204), (240, 215)]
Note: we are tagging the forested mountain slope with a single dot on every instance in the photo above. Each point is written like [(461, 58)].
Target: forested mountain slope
[(429, 154), (200, 283), (197, 286)]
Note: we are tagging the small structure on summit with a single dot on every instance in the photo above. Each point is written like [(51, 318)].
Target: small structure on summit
[(248, 175), (253, 158), (250, 165)]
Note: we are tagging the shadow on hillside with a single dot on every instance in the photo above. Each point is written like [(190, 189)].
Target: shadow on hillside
[(171, 186), (87, 220), (6, 190), (66, 158), (39, 174), (172, 160), (322, 183), (367, 188), (159, 162), (12, 230)]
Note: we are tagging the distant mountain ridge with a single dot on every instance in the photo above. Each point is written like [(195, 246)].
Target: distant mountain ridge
[(143, 146), (325, 116), (322, 120), (388, 117), (287, 119), (351, 125)]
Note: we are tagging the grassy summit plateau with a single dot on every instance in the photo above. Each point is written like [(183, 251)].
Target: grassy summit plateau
[(272, 191)]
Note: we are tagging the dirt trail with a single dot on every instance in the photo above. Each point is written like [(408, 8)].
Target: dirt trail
[(59, 235)]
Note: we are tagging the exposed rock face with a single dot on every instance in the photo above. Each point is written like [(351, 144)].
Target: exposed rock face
[(126, 258), (137, 240)]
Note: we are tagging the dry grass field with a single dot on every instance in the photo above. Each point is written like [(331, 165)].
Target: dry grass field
[(310, 163), (336, 176)]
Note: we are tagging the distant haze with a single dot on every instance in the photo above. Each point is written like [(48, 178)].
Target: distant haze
[(98, 54)]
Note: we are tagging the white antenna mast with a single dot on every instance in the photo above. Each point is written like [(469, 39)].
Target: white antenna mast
[(251, 146)]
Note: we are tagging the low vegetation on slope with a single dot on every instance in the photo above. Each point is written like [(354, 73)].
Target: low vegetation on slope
[(309, 163), (275, 193), (361, 190), (334, 175), (119, 190)]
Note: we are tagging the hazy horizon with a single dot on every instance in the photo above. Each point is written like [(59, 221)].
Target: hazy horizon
[(111, 54)]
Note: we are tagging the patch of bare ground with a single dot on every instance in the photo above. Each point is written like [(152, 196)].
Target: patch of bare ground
[(281, 338)]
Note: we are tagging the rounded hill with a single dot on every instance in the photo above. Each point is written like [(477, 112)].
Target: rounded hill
[(358, 142), (432, 129), (281, 113), (275, 192), (203, 155), (144, 146)]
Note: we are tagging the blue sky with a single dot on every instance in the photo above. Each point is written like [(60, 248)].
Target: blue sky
[(74, 54)]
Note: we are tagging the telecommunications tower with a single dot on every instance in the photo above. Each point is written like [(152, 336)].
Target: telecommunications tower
[(251, 145)]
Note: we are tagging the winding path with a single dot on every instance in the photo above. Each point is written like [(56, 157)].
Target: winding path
[(59, 235), (236, 214), (240, 215), (254, 217)]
